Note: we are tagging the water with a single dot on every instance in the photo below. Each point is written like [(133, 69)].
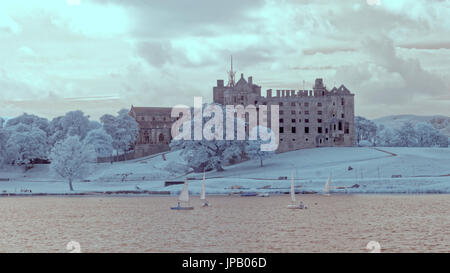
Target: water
[(339, 223)]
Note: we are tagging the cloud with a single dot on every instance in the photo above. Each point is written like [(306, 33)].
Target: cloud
[(390, 80)]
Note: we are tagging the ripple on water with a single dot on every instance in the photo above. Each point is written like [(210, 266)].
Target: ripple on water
[(344, 223)]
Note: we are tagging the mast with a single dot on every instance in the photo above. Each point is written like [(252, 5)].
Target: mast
[(292, 187), (231, 74)]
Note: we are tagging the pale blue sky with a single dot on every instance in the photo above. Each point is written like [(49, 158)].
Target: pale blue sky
[(102, 55)]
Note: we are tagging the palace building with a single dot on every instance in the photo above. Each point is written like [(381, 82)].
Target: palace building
[(307, 118)]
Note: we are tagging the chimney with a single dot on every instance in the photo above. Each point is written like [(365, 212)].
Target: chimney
[(250, 80), (278, 93), (269, 93), (219, 83)]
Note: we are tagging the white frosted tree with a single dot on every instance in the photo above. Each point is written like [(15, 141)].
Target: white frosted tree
[(101, 141), (365, 130), (426, 134), (123, 129), (30, 120), (406, 135), (209, 154), (386, 137), (73, 123), (3, 141), (71, 159), (25, 144)]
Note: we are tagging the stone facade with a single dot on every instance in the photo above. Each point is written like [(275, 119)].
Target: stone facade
[(308, 118), (155, 126)]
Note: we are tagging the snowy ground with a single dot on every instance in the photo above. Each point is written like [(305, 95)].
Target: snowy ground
[(422, 170)]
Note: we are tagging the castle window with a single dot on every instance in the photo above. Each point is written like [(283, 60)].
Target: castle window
[(292, 103), (319, 130), (306, 112), (292, 112), (294, 130), (153, 118), (281, 112), (306, 120), (293, 139), (319, 120), (281, 130), (342, 116), (281, 120), (326, 131), (334, 127), (306, 140), (161, 137), (347, 128), (299, 120), (342, 101), (306, 104), (340, 125), (281, 104), (319, 112), (306, 130), (293, 120), (319, 104)]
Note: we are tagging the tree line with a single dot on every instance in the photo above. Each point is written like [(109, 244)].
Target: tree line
[(422, 134), (29, 139)]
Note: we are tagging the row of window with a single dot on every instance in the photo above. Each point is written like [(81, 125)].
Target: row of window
[(319, 129), (299, 120), (307, 140), (306, 104), (293, 112), (142, 118)]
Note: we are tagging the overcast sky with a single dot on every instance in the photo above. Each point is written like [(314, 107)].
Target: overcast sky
[(103, 55)]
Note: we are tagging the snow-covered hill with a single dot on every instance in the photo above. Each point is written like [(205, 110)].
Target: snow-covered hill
[(369, 170), (441, 123)]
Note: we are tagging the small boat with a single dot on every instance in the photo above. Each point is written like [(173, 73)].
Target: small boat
[(263, 194), (247, 194), (183, 197), (203, 192), (326, 189), (293, 205)]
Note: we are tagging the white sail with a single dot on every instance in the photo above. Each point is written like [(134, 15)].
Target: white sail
[(292, 188), (184, 195), (326, 189), (203, 194)]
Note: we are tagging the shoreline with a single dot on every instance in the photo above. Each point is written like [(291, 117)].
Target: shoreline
[(174, 194)]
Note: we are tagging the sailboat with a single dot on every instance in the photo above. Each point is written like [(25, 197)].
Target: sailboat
[(183, 197), (203, 193), (293, 204), (326, 189)]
